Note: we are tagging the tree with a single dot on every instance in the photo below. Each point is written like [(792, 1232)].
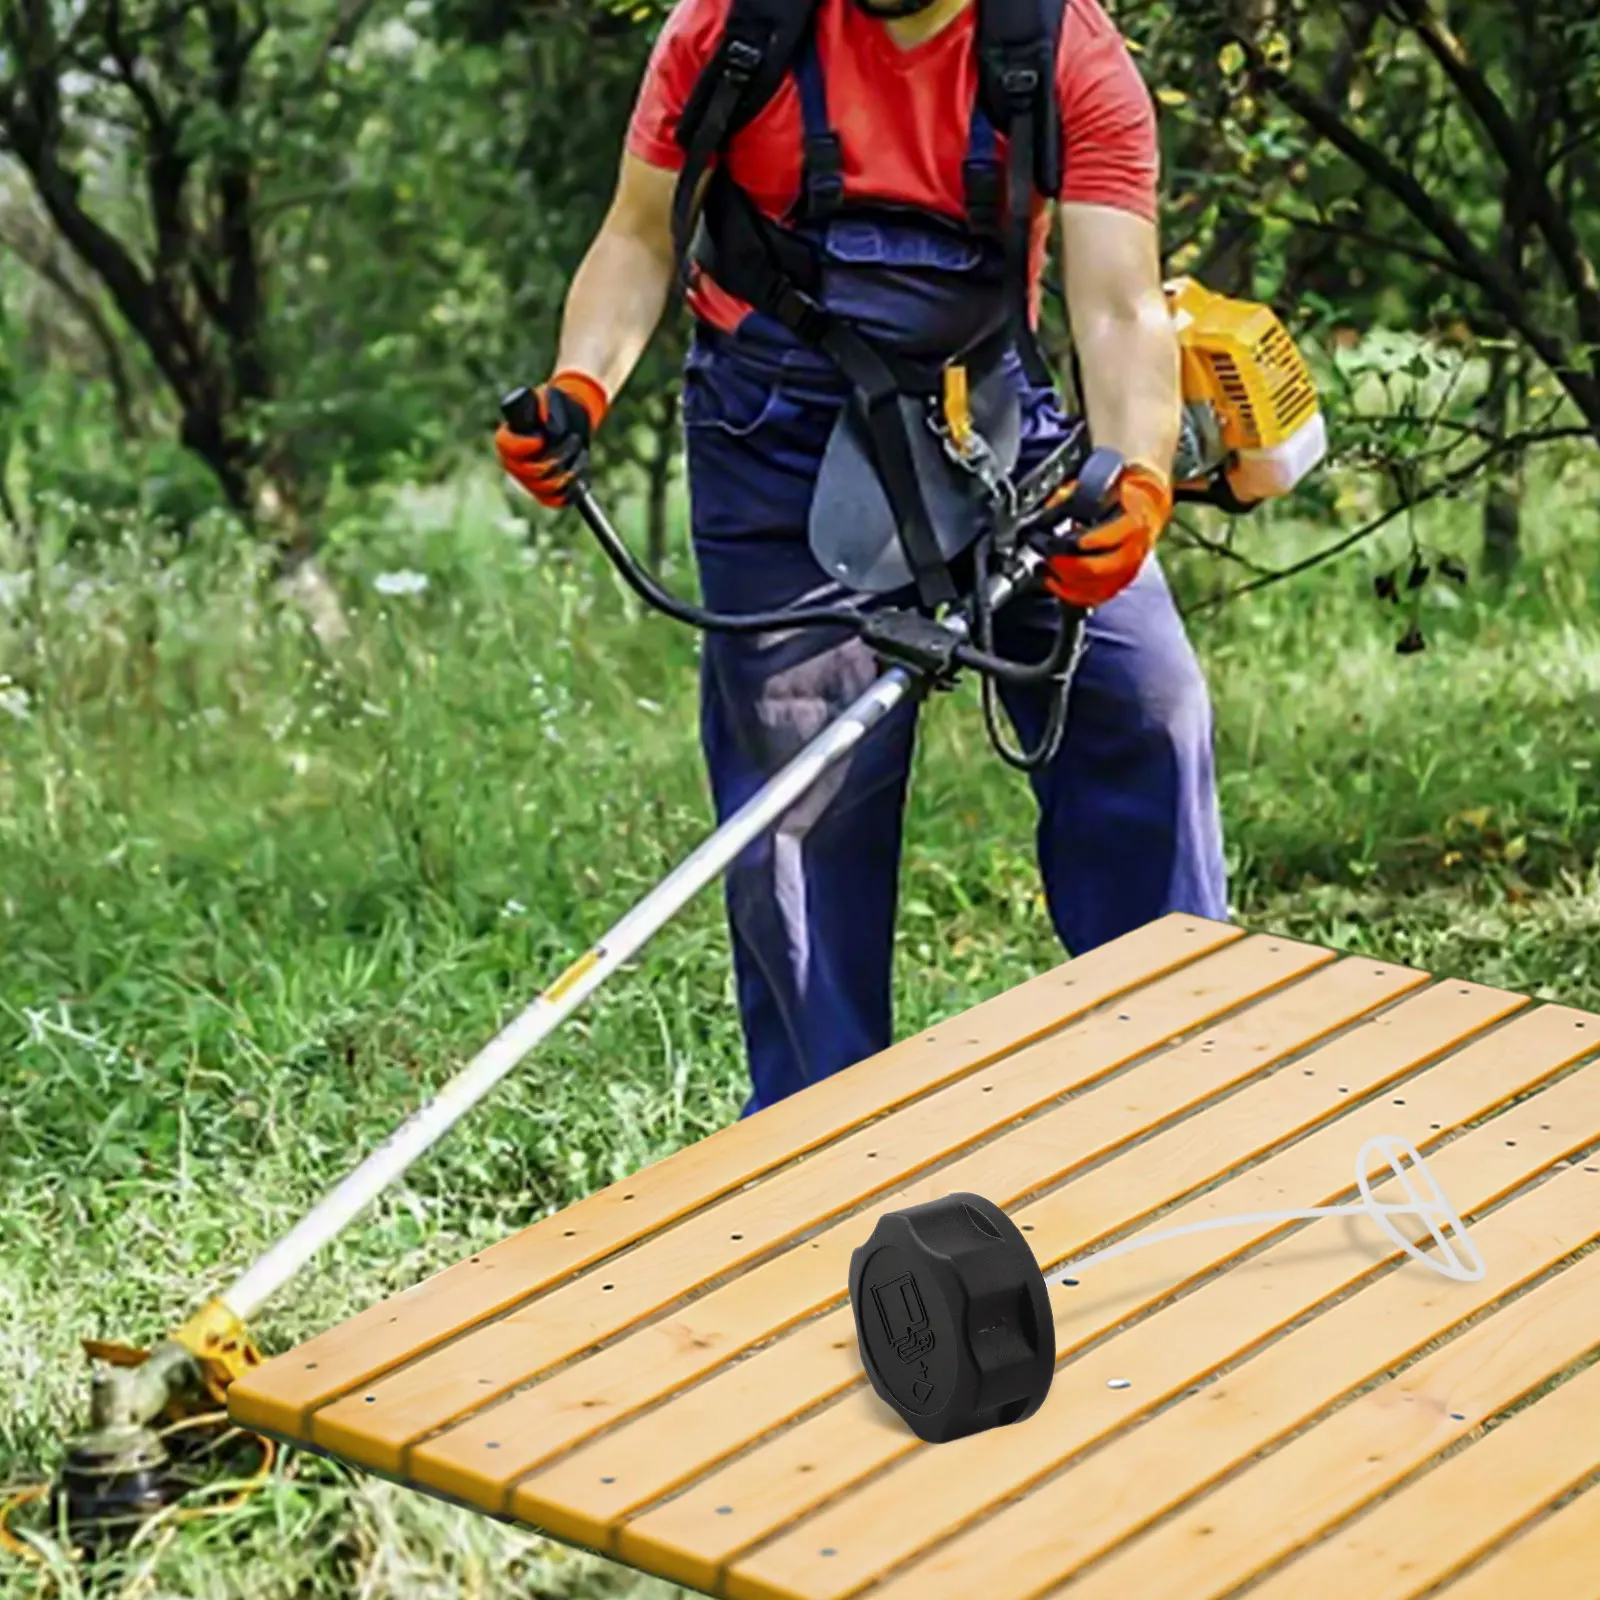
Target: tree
[(1419, 162), (331, 231)]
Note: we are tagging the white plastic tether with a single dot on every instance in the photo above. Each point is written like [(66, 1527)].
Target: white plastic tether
[(1456, 1258)]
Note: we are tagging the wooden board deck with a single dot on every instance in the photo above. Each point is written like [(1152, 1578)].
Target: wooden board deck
[(666, 1372)]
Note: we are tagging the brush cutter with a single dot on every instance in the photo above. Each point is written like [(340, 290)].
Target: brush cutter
[(149, 1409), (1251, 431)]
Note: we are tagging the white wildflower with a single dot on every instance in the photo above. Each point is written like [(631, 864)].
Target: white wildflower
[(13, 587), (14, 699), (404, 582), (396, 38)]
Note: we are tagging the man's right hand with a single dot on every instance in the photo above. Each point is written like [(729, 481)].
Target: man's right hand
[(547, 461), (1106, 558)]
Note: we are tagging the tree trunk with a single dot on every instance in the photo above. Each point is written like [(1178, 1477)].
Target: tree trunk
[(1502, 504), (9, 514)]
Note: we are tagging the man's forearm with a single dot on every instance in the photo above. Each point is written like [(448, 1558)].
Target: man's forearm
[(613, 307), (1122, 327), (1131, 379)]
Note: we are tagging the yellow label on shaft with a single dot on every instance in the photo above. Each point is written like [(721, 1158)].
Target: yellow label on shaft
[(585, 963)]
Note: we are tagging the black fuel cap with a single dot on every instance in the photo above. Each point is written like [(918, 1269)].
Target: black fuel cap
[(953, 1318)]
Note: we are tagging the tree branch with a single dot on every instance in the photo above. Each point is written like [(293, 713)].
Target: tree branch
[(1216, 547), (1523, 170), (1585, 138), (240, 307), (167, 171), (1326, 121), (121, 51), (1378, 241), (1445, 486), (42, 262)]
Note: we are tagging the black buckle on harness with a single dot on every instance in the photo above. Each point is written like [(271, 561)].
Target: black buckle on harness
[(1020, 84), (909, 639), (800, 315), (741, 61), (824, 174), (985, 190)]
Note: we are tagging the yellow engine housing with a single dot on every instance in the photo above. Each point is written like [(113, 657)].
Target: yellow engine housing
[(1240, 362)]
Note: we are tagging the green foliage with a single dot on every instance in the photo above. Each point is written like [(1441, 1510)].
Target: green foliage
[(423, 178), (418, 190), (1422, 164)]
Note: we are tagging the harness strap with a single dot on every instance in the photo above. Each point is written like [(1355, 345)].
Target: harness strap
[(822, 156), (1018, 243), (703, 136), (876, 395), (1018, 46), (981, 177), (774, 272), (758, 45)]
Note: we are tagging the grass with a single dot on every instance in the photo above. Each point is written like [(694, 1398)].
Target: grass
[(254, 905)]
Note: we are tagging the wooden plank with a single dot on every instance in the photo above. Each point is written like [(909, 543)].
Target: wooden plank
[(376, 1425), (1119, 1489), (1162, 1357), (280, 1394), (477, 1460), (1465, 1507), (691, 1539), (586, 1495), (1350, 1458), (1553, 1560)]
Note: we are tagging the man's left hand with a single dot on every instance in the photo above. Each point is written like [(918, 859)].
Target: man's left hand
[(1106, 558)]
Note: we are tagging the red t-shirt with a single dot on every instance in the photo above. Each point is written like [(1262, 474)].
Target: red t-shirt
[(903, 117)]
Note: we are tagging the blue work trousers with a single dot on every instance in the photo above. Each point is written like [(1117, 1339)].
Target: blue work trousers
[(1128, 826)]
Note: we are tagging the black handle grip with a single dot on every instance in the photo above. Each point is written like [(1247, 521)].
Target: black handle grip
[(1095, 495), (521, 412)]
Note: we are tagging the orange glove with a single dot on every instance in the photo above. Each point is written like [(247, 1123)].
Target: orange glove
[(572, 405), (1107, 558)]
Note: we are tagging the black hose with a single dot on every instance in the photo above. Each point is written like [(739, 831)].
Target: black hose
[(515, 408), (1055, 666), (520, 412), (1049, 745), (648, 589), (643, 584)]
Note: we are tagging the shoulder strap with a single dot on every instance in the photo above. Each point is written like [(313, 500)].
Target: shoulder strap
[(760, 40), (1018, 41)]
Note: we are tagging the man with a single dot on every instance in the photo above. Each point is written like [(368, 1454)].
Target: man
[(1128, 826)]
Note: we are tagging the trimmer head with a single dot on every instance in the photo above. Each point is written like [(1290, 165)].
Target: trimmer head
[(151, 1413), (112, 1481), (119, 1472)]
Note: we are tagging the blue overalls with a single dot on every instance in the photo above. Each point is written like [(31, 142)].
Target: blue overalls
[(1128, 824)]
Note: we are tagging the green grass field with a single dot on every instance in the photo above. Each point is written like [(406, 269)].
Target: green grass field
[(256, 903)]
